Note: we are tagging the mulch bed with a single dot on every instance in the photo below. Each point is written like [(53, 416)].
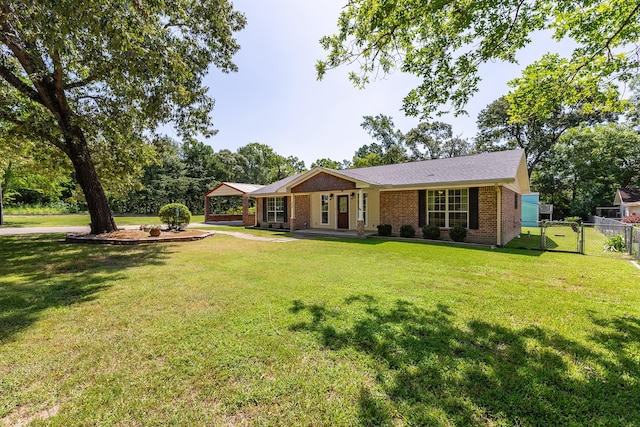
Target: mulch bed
[(136, 237)]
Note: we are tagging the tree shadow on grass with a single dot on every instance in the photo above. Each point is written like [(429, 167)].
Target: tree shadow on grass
[(433, 370), (37, 272)]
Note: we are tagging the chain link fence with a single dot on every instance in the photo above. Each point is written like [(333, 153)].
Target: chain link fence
[(629, 233)]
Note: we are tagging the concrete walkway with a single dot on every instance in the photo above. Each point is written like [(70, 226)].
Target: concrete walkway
[(12, 231)]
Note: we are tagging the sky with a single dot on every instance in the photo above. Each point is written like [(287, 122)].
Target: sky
[(275, 98)]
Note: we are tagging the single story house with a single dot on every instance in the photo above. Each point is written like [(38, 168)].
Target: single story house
[(479, 192), (628, 201)]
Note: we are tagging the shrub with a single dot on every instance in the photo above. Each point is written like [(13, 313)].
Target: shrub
[(458, 234), (573, 219), (614, 244), (168, 216), (431, 231), (407, 230), (384, 230), (632, 219)]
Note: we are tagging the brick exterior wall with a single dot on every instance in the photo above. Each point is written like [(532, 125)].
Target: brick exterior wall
[(303, 213), (487, 231), (323, 182), (511, 215), (399, 208)]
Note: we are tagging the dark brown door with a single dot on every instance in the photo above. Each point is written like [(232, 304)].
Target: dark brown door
[(343, 212)]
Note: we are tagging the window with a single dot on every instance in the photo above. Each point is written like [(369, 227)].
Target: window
[(275, 209), (324, 209), (448, 208), (364, 206)]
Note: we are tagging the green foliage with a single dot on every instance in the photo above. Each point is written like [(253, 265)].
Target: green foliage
[(589, 164), (327, 163), (437, 141), (428, 140), (497, 129), (259, 164), (407, 230), (175, 215), (458, 234), (52, 208), (445, 43), (615, 244), (431, 231), (384, 229)]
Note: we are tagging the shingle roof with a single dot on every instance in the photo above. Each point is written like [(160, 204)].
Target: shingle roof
[(232, 188), (245, 188), (272, 188), (630, 195), (497, 166)]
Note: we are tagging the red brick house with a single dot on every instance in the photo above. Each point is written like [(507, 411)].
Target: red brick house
[(479, 192)]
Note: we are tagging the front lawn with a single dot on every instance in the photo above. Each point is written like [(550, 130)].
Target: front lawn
[(228, 331)]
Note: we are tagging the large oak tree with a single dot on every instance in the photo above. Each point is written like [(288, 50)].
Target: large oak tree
[(95, 79)]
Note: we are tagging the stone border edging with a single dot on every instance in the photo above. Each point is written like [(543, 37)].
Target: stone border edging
[(93, 239)]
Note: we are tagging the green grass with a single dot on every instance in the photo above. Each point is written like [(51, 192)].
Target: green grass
[(227, 331), (78, 220)]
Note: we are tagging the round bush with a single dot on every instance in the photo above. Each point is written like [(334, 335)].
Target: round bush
[(407, 230), (384, 230), (168, 216), (431, 231), (458, 234)]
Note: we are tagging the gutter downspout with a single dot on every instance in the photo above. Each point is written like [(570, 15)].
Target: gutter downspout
[(499, 215)]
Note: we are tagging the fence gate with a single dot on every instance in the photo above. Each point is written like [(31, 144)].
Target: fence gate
[(562, 236)]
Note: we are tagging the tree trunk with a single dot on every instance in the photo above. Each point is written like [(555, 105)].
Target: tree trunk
[(101, 219)]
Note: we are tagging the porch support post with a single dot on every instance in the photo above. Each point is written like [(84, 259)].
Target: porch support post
[(360, 221), (206, 208), (292, 220)]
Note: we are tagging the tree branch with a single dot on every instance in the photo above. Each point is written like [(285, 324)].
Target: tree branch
[(21, 128), (81, 83), (19, 85), (608, 42), (58, 80)]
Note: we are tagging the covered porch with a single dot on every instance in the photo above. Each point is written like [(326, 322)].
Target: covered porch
[(228, 202)]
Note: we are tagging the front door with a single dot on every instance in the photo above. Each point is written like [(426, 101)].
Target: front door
[(343, 212)]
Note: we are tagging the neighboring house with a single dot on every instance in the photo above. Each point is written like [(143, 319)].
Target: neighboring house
[(226, 189), (481, 193), (628, 201)]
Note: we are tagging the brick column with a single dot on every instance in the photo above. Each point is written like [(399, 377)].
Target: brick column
[(206, 208)]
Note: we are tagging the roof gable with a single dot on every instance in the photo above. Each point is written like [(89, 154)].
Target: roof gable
[(627, 195), (323, 181)]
